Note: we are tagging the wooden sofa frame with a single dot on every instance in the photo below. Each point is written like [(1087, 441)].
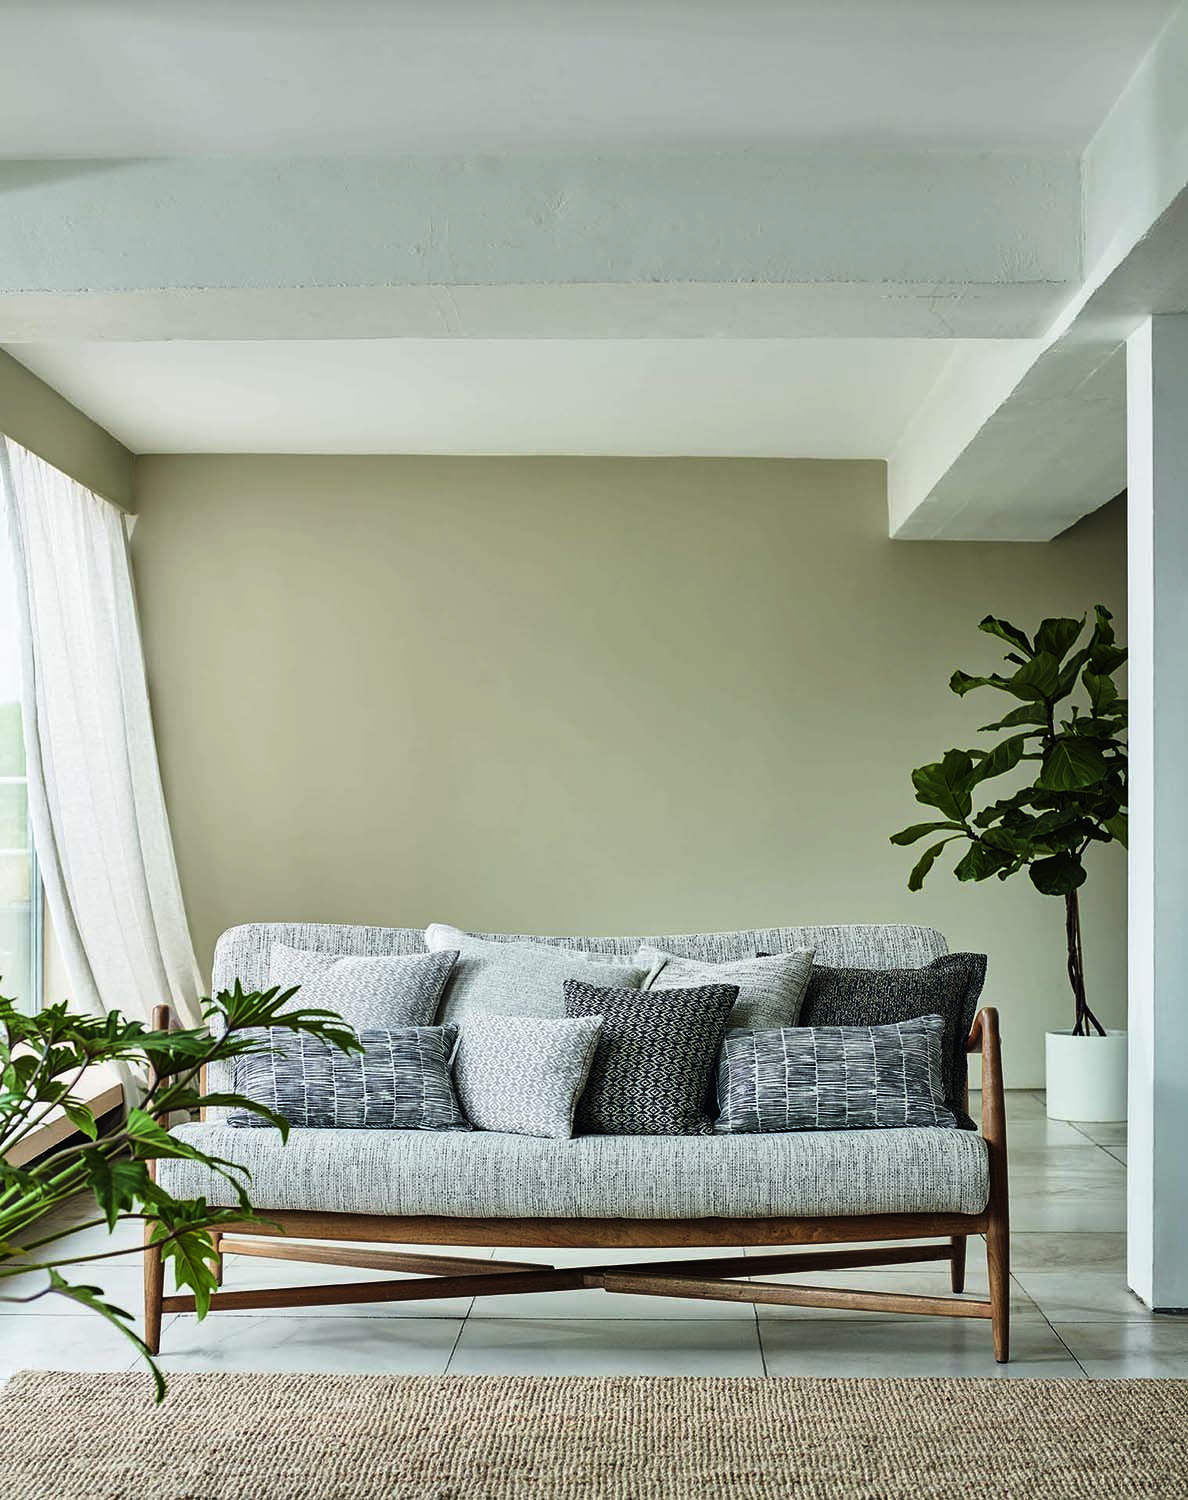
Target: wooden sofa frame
[(723, 1279)]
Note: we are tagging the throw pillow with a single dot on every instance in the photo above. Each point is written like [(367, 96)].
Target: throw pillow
[(368, 993), (770, 989), (654, 1059), (517, 979), (948, 987), (523, 1074), (400, 1081), (833, 1078)]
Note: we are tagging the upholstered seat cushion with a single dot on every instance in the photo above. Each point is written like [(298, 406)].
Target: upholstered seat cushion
[(488, 1175)]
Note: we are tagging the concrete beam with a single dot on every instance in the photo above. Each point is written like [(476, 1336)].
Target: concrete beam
[(1019, 446), (646, 244)]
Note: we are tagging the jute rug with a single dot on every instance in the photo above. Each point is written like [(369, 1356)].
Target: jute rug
[(332, 1437)]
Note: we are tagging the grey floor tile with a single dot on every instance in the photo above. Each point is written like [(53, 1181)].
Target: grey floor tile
[(1083, 1296), (1046, 1250), (1038, 1134), (1130, 1350), (1103, 1132), (616, 1346), (337, 1345), (904, 1346), (80, 1341)]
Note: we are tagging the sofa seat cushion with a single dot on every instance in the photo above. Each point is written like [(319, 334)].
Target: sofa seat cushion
[(488, 1175)]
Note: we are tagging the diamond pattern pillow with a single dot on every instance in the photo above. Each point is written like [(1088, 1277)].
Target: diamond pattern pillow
[(948, 987), (521, 979), (770, 988), (523, 1074), (654, 1059), (368, 993), (833, 1078), (400, 1081)]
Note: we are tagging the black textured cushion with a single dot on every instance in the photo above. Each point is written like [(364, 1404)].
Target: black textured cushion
[(833, 1078), (400, 1081), (949, 987), (654, 1059)]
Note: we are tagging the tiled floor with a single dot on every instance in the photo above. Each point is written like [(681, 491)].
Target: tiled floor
[(1073, 1314)]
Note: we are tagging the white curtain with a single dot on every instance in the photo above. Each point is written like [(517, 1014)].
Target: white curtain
[(95, 800)]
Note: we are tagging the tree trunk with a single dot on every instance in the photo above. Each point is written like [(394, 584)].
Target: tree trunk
[(1086, 1022)]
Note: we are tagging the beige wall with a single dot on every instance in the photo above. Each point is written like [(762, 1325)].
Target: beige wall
[(34, 415), (571, 695)]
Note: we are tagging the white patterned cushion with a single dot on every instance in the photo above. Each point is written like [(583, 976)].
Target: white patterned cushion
[(400, 1081), (517, 979), (833, 1078), (523, 1074), (654, 1060), (770, 989), (368, 993)]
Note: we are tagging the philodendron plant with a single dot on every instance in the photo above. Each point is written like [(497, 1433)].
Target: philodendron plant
[(43, 1058), (1076, 797)]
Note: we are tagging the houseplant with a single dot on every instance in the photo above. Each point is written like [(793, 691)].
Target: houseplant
[(42, 1060), (1067, 763)]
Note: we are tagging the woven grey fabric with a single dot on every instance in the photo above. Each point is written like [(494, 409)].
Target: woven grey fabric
[(487, 1175), (833, 1078), (400, 1081), (243, 952), (770, 990), (516, 979), (654, 1059), (524, 1074), (367, 992), (948, 987)]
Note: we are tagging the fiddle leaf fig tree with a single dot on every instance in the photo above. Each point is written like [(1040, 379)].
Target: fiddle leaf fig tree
[(1066, 742)]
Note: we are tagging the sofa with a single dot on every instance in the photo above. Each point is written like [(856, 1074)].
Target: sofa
[(852, 1198)]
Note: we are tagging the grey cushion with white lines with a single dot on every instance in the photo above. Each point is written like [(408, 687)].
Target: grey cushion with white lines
[(518, 979), (833, 1078), (770, 989), (366, 992), (400, 1081), (654, 1059), (524, 1074)]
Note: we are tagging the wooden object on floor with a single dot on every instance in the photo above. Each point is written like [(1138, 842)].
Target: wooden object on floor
[(712, 1278)]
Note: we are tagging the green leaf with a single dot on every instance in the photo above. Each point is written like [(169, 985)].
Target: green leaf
[(946, 784), (91, 1297), (925, 863), (962, 683), (980, 862), (1101, 690), (1004, 757), (1118, 828), (81, 1118), (1071, 763), (1057, 875), (116, 1184), (180, 1228), (1038, 681), (1028, 713), (917, 831), (1006, 632), (1056, 637)]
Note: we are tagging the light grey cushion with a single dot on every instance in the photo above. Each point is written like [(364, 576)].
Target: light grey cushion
[(524, 1074), (770, 990), (516, 979), (369, 993), (487, 1175), (834, 1078)]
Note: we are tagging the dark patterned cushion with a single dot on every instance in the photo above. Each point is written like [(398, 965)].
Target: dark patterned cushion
[(833, 1078), (949, 987), (400, 1081), (654, 1059)]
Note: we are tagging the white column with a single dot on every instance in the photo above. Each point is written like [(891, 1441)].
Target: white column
[(1157, 479)]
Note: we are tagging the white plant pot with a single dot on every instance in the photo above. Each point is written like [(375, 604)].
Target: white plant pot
[(1086, 1076)]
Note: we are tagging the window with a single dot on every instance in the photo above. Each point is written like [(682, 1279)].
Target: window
[(20, 889)]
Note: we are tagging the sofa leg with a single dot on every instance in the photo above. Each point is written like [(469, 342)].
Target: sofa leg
[(998, 1265), (154, 1290), (957, 1262)]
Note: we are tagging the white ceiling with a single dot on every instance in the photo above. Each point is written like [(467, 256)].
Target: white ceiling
[(257, 77), (811, 398)]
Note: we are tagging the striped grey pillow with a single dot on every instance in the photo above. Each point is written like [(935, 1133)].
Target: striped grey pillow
[(400, 1081), (833, 1078), (770, 988)]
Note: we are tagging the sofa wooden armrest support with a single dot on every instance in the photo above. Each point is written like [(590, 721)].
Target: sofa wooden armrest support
[(841, 1241)]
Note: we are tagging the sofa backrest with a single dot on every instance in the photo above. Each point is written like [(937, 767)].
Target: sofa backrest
[(243, 952)]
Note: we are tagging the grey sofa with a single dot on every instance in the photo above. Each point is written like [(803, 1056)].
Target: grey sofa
[(409, 1187)]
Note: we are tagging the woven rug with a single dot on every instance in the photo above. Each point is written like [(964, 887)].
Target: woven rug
[(338, 1437)]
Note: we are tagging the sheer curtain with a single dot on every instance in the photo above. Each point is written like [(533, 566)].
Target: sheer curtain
[(95, 801)]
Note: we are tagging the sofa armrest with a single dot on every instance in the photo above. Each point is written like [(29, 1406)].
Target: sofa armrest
[(984, 1038)]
